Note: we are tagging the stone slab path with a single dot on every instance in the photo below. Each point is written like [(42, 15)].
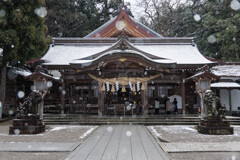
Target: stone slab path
[(119, 142)]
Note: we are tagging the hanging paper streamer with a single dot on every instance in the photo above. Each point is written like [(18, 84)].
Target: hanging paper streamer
[(138, 86), (108, 86), (117, 86), (130, 85)]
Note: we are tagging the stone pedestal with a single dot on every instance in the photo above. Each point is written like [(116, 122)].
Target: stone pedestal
[(215, 127), (27, 125)]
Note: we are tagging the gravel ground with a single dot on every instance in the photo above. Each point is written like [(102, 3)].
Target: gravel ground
[(53, 133), (178, 133)]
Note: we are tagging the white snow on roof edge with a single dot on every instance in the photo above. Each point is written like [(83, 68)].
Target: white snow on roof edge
[(225, 85)]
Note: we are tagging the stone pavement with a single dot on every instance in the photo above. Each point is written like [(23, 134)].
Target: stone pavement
[(201, 147), (37, 147), (119, 142)]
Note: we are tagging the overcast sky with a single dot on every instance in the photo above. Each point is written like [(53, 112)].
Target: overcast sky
[(135, 10)]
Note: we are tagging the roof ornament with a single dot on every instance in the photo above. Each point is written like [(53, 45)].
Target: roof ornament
[(123, 36), (123, 45)]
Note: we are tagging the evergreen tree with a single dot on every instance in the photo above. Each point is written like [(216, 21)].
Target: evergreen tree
[(214, 24), (77, 18), (107, 8), (22, 33), (221, 25), (71, 18)]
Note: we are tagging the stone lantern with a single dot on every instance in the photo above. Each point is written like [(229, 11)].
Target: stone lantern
[(42, 82), (203, 83), (27, 122), (212, 112)]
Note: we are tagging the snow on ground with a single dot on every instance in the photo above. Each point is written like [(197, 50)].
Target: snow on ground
[(88, 132), (188, 133), (53, 133)]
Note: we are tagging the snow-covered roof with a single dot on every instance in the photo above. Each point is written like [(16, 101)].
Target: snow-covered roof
[(63, 55), (21, 72), (167, 53), (226, 70), (225, 85), (88, 62), (181, 53)]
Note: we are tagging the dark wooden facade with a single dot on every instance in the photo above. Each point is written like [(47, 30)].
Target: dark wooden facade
[(80, 93)]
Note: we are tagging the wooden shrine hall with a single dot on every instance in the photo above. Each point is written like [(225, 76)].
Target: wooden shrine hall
[(121, 68)]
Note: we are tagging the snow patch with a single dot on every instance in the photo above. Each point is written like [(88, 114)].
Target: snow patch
[(154, 131), (88, 132)]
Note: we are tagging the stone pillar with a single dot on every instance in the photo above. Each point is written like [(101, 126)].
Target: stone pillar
[(100, 99), (41, 109), (145, 99), (183, 93), (203, 114), (63, 97), (40, 106)]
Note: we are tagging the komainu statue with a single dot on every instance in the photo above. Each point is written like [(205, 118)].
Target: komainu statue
[(30, 104), (215, 110)]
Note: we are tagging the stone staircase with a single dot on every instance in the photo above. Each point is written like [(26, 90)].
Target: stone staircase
[(77, 119)]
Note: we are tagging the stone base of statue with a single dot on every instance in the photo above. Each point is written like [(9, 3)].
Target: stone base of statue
[(217, 126), (27, 124)]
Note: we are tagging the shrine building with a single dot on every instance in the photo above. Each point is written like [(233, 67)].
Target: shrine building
[(121, 68)]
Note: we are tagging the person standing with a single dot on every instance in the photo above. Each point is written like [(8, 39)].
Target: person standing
[(168, 105), (156, 105), (175, 110)]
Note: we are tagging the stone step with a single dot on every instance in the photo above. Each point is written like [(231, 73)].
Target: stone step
[(150, 120), (122, 123)]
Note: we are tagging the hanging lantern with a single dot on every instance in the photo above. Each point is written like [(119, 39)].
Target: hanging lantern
[(103, 87), (123, 89)]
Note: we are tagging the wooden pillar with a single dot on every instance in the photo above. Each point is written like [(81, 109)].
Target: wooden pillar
[(3, 84), (63, 97), (230, 101), (100, 99), (145, 99), (156, 91), (183, 92)]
